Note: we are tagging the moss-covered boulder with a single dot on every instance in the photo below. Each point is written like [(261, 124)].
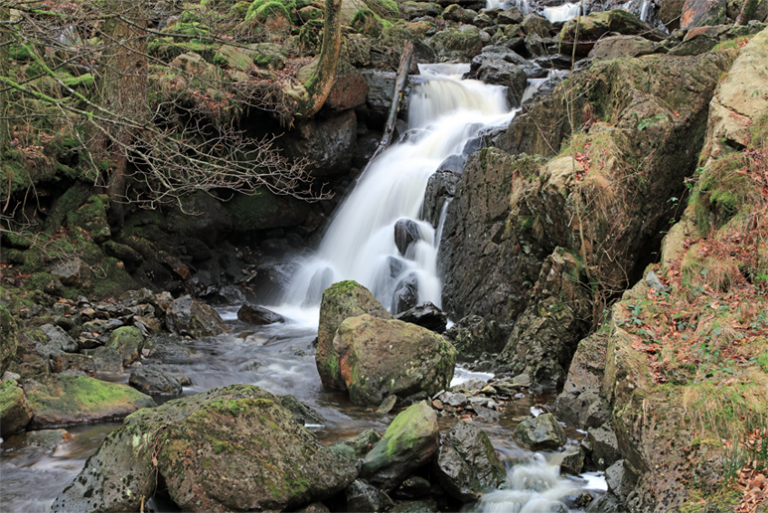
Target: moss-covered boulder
[(409, 442), (15, 412), (8, 338), (542, 432), (383, 357), (187, 316), (128, 341), (597, 24), (234, 448), (460, 43), (467, 464), (341, 301), (233, 58), (64, 400), (92, 217)]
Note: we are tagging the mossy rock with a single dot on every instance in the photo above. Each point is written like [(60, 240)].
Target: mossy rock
[(233, 58), (268, 55), (210, 447), (129, 342), (15, 412), (409, 442), (311, 37), (367, 22), (92, 217), (8, 338), (453, 43), (542, 432), (167, 49), (239, 10), (64, 400)]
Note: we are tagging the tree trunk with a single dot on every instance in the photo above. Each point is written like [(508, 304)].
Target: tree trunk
[(123, 88), (5, 123), (747, 11), (319, 85)]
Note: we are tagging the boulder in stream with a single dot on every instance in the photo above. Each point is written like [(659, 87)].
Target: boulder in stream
[(409, 442), (233, 448), (406, 293), (467, 463), (258, 315), (187, 316), (128, 341), (159, 379), (407, 232), (426, 315), (382, 357), (542, 432), (65, 400), (340, 301), (15, 412)]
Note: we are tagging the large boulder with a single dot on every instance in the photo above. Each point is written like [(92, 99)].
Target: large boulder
[(128, 342), (340, 301), (503, 73), (426, 315), (258, 315), (467, 463), (65, 400), (542, 432), (383, 357), (597, 24), (159, 380), (460, 43), (229, 449), (187, 316), (409, 442), (15, 412)]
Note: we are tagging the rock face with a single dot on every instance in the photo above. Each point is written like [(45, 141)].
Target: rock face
[(258, 315), (340, 301), (542, 432), (473, 335), (406, 233), (187, 316), (426, 315), (467, 463), (234, 448), (326, 144), (15, 412), (62, 400), (382, 357), (409, 442)]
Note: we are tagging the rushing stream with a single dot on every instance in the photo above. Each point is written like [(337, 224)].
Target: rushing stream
[(445, 113)]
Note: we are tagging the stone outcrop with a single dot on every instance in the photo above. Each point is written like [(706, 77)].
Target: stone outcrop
[(187, 316)]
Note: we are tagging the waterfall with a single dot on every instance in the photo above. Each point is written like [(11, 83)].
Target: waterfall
[(445, 112)]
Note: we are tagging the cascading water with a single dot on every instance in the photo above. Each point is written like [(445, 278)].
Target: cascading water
[(445, 112)]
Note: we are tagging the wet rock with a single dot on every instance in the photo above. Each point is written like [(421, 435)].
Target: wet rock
[(363, 497), (62, 400), (15, 411), (570, 461), (483, 21), (441, 187), (700, 13), (258, 315), (503, 73), (458, 14), (406, 293), (159, 379), (511, 16), (167, 349), (467, 463), (327, 144), (214, 443), (414, 487), (320, 281), (128, 341), (473, 335), (457, 43), (386, 405), (227, 295), (409, 442), (407, 231), (107, 360), (363, 442), (426, 315), (535, 24), (608, 503), (47, 440), (542, 432), (423, 506), (605, 447), (187, 316), (380, 357), (597, 24), (340, 301), (301, 411), (381, 86)]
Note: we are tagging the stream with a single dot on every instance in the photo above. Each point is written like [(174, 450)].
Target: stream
[(446, 112)]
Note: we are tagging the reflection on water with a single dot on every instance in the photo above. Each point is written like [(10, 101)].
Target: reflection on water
[(280, 359)]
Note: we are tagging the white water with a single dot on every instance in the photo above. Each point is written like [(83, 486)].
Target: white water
[(561, 13), (445, 112)]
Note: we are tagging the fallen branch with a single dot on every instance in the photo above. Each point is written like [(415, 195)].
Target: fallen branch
[(397, 95)]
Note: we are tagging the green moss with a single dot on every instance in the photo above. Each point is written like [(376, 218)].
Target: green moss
[(239, 10), (44, 282), (81, 81), (92, 217)]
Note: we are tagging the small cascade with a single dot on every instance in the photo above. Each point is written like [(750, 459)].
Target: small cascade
[(561, 13), (376, 237)]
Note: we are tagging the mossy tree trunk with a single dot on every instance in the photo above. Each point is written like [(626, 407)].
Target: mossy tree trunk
[(319, 85), (123, 87), (5, 16)]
